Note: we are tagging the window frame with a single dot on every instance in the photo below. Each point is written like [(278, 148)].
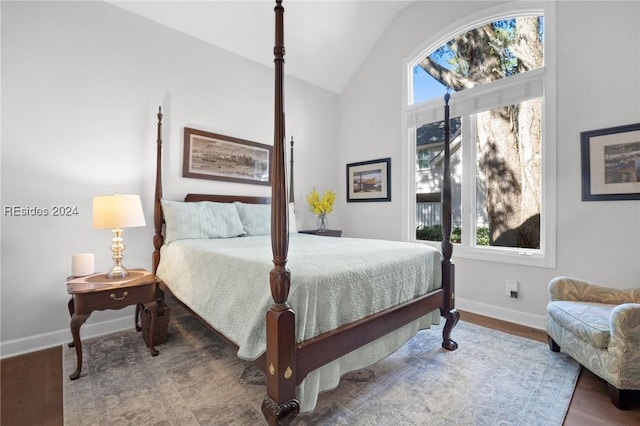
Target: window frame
[(413, 113)]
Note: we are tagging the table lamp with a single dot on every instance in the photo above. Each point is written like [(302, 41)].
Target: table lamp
[(116, 212)]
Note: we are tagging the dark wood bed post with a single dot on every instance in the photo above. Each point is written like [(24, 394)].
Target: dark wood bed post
[(448, 270), (291, 173), (158, 239), (280, 406)]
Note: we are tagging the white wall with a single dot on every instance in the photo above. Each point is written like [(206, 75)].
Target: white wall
[(81, 83), (598, 85)]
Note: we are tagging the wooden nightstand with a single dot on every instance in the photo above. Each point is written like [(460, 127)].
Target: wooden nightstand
[(327, 233), (97, 293)]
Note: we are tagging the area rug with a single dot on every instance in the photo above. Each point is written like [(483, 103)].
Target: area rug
[(492, 379)]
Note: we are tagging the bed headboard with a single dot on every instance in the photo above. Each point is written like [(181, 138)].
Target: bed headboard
[(227, 198)]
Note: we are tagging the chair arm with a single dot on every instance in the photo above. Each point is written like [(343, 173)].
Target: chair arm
[(572, 289), (625, 323)]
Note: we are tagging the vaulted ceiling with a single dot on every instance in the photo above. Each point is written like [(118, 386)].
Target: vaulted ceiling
[(325, 41)]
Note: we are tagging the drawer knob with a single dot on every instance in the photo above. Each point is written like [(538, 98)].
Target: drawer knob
[(125, 294)]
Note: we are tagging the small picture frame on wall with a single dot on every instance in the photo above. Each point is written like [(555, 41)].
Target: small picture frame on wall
[(217, 157), (611, 163), (369, 181)]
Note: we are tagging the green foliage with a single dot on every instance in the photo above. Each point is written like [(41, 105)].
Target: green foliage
[(434, 233), (429, 233), (498, 37), (482, 236)]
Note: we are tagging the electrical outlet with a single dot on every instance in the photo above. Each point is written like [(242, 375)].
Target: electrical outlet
[(511, 289)]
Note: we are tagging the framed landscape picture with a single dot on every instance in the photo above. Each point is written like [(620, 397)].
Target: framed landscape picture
[(611, 163), (369, 180), (212, 156)]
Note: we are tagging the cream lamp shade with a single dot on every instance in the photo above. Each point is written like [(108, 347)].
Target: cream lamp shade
[(116, 212)]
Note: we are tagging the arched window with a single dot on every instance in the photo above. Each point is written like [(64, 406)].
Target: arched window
[(497, 70)]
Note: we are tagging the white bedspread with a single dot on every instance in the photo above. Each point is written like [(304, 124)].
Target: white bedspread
[(333, 281)]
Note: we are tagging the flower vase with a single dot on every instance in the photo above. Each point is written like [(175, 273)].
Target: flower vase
[(323, 222)]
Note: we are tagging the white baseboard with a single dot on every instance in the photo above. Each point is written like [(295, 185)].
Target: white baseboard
[(55, 338), (516, 317)]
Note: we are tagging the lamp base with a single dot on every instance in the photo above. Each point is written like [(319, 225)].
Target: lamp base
[(118, 271), (117, 247)]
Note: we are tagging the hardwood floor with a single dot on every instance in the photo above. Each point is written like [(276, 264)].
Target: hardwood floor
[(32, 387)]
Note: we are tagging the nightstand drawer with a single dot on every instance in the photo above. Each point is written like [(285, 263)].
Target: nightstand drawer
[(115, 298)]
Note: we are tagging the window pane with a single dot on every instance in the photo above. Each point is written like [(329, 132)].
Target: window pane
[(426, 87), (509, 175), (502, 63), (488, 53), (429, 167)]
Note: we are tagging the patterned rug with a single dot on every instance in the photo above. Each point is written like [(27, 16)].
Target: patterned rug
[(492, 379)]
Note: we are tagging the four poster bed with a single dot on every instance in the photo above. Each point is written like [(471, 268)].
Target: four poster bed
[(332, 305)]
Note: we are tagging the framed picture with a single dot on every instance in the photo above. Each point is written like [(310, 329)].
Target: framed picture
[(611, 163), (369, 180), (217, 157)]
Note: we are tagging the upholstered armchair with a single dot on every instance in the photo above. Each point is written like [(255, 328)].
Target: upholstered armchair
[(599, 327)]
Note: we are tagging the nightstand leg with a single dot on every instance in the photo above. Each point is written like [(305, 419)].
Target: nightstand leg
[(72, 310), (76, 323), (152, 307)]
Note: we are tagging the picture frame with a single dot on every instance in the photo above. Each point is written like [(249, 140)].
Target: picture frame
[(218, 157), (369, 181), (610, 160)]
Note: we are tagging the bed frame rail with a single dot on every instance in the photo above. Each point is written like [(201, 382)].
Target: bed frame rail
[(324, 348)]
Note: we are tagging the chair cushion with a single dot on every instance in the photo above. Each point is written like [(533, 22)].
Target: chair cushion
[(588, 321)]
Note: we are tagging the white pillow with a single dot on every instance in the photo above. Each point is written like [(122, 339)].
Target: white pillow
[(256, 218), (203, 219)]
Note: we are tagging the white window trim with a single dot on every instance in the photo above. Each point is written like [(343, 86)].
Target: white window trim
[(410, 114), (506, 91)]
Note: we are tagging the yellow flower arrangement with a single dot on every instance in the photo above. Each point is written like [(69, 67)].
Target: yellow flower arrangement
[(322, 205)]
